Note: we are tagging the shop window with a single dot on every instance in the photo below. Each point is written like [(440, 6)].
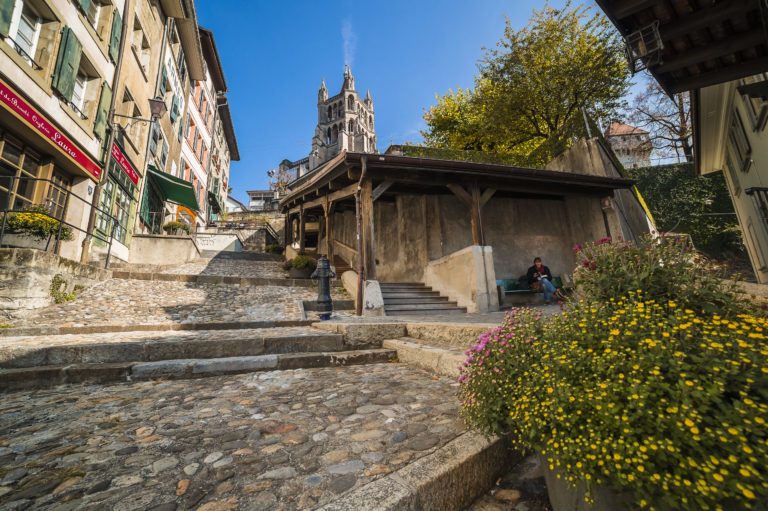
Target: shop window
[(18, 169), (56, 197), (115, 203)]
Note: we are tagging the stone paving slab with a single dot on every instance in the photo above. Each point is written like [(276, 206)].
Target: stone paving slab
[(146, 301), (274, 440), (16, 352)]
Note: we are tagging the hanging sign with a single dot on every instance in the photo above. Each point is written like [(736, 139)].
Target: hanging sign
[(121, 160)]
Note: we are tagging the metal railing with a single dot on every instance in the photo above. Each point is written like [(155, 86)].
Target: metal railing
[(24, 54), (48, 209)]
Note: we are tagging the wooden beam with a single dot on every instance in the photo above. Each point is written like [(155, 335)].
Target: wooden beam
[(379, 190), (715, 50), (461, 193), (725, 74), (329, 209), (625, 8), (702, 18), (347, 191), (476, 217), (301, 228), (369, 245), (486, 196)]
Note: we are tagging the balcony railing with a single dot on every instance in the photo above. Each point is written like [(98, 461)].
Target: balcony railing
[(26, 56)]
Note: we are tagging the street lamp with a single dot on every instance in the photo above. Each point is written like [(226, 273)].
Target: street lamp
[(157, 110)]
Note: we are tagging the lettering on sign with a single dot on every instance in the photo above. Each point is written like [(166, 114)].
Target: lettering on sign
[(41, 124), (121, 160)]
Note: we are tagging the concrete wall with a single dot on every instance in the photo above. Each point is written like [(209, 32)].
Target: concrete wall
[(26, 275), (624, 209), (158, 249), (218, 242), (466, 277)]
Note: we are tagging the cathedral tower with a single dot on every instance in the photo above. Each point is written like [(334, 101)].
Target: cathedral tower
[(345, 122)]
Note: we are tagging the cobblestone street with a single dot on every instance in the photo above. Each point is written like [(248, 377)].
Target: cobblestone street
[(277, 440), (118, 301), (226, 267)]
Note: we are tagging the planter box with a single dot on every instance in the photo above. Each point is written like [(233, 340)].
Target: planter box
[(22, 240), (300, 274), (564, 497)]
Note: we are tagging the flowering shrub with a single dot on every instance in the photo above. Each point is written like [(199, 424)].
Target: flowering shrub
[(36, 222), (644, 396), (663, 267), (300, 262)]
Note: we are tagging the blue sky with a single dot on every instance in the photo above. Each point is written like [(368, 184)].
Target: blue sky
[(275, 54)]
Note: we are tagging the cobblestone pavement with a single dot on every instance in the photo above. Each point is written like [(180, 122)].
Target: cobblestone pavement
[(118, 301), (43, 341), (522, 488), (231, 268), (278, 440)]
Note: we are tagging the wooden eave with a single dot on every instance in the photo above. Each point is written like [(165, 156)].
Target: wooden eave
[(338, 179), (706, 42)]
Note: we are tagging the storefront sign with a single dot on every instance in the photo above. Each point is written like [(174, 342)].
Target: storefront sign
[(121, 160), (22, 110)]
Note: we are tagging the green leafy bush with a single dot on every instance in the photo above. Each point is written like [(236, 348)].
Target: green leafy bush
[(273, 248), (649, 393), (37, 222), (172, 227), (300, 262), (662, 267)]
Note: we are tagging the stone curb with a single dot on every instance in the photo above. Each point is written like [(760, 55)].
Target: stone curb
[(30, 331), (154, 350), (215, 279), (449, 479), (49, 376), (445, 362)]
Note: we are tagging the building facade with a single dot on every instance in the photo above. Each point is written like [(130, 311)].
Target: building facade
[(262, 200), (632, 146), (345, 122)]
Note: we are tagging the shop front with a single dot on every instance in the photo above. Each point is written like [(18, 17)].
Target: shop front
[(43, 169), (161, 192)]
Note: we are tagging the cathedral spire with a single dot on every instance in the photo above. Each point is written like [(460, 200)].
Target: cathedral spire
[(322, 94), (349, 80)]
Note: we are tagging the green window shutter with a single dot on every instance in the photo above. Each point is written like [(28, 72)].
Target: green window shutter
[(114, 42), (100, 125), (67, 63), (6, 11), (163, 79), (85, 5), (174, 108)]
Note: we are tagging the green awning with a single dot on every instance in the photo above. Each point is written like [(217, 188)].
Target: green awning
[(174, 189)]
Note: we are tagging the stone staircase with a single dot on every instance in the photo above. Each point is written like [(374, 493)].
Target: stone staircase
[(44, 361), (341, 266), (415, 299)]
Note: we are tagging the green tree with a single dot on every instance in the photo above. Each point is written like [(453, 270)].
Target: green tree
[(528, 96), (699, 206)]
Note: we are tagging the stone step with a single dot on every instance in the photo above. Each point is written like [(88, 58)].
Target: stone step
[(407, 294), (421, 306), (99, 349), (401, 284), (417, 299), (426, 312), (48, 376)]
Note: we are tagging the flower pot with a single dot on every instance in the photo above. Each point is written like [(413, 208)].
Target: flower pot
[(303, 273), (20, 239), (565, 497)]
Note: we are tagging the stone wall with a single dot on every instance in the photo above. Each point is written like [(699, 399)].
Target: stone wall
[(160, 249), (466, 277), (26, 276)]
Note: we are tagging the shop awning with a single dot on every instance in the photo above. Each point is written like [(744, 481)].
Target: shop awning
[(174, 189), (213, 200)]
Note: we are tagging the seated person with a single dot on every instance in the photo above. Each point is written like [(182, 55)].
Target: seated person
[(539, 279)]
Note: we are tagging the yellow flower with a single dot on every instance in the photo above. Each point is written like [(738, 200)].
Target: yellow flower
[(748, 493)]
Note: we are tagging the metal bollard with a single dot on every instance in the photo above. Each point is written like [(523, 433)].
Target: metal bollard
[(324, 274)]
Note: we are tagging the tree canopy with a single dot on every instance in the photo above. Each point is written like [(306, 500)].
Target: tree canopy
[(530, 89)]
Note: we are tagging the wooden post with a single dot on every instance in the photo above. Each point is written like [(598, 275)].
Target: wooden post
[(369, 245), (472, 201), (301, 228), (329, 208), (287, 230)]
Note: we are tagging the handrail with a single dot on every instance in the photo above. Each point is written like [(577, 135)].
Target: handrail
[(69, 195), (24, 54), (344, 245)]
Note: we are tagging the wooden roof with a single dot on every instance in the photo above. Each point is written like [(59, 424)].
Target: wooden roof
[(705, 42)]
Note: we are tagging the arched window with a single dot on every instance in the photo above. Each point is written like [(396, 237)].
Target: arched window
[(370, 120), (329, 113), (351, 103), (334, 112), (328, 136), (335, 134), (351, 126)]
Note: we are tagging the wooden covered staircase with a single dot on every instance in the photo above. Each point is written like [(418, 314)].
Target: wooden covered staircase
[(415, 299)]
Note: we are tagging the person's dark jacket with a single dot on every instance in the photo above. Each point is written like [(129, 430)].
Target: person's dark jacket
[(543, 271)]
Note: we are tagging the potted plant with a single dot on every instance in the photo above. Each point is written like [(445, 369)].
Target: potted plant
[(300, 267), (176, 228), (34, 229), (639, 399)]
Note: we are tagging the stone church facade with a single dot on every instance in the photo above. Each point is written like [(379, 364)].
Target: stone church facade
[(345, 122)]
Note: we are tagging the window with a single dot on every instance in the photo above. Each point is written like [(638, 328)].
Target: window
[(93, 12), (140, 46), (757, 108), (739, 143), (181, 63), (78, 92), (18, 168), (156, 137), (56, 197), (163, 159)]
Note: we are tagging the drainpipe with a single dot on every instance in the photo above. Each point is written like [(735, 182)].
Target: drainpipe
[(359, 304), (84, 254)]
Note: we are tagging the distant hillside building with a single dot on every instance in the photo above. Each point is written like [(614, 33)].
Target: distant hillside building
[(631, 145), (261, 200), (345, 122), (289, 170)]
